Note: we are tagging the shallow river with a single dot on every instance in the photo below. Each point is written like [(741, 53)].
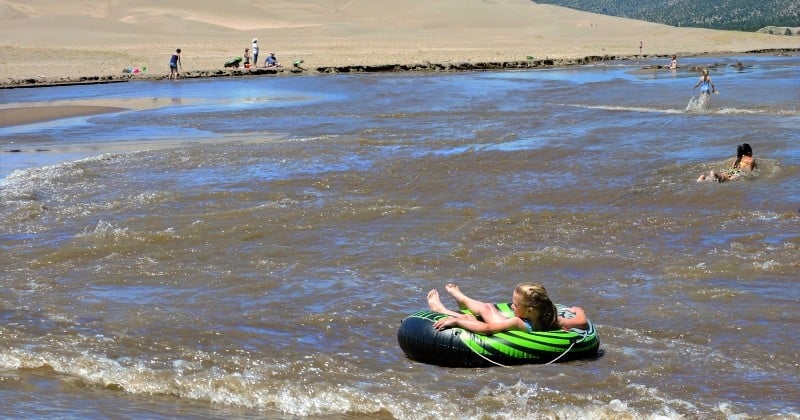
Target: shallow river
[(247, 247)]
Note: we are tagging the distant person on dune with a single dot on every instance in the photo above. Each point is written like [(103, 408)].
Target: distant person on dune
[(744, 162), (175, 64)]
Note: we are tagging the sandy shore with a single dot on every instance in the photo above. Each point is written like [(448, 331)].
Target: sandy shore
[(49, 41)]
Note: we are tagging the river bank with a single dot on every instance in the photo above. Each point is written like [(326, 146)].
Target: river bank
[(300, 69), (46, 43)]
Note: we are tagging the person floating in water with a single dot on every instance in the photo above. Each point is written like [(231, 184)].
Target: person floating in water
[(533, 311), (706, 86), (744, 162)]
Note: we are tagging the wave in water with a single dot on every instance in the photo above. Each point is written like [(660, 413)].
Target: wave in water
[(694, 106), (273, 387)]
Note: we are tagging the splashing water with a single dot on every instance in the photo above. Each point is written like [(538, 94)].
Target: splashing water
[(698, 104)]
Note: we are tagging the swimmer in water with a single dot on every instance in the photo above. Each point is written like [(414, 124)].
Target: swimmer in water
[(744, 162)]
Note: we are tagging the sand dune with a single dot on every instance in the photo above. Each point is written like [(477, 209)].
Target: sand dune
[(53, 38)]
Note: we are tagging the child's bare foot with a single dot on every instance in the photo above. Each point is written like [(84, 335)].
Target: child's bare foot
[(435, 303), (455, 292), (452, 289)]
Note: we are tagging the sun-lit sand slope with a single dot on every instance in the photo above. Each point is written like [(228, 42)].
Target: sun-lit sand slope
[(56, 38)]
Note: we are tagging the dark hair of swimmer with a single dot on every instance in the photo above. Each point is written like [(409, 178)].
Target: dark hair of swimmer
[(743, 149)]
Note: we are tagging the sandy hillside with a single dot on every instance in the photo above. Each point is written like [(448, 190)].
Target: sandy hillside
[(57, 38)]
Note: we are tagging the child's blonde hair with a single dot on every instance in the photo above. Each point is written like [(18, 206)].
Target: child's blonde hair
[(538, 307)]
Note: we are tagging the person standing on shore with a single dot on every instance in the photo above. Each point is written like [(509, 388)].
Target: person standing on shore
[(247, 58), (255, 52), (175, 64)]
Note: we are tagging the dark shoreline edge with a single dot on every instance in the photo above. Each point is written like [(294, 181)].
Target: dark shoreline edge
[(531, 63)]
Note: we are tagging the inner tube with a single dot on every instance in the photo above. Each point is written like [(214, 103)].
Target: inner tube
[(457, 347), (233, 62)]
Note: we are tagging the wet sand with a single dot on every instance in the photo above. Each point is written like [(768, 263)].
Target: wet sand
[(18, 113), (29, 115)]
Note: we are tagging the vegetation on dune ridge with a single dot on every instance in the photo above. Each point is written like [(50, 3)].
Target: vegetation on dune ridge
[(736, 15)]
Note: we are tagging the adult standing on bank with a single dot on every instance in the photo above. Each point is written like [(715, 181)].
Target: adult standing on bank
[(175, 64), (255, 52)]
